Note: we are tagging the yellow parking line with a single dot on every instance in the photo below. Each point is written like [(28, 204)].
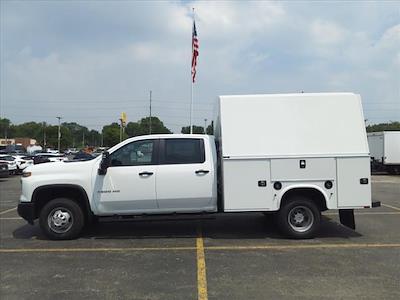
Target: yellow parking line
[(367, 213), (8, 210), (296, 247), (390, 206), (201, 268), (201, 249), (44, 250)]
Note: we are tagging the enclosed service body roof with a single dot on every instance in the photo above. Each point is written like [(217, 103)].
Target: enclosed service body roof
[(320, 124)]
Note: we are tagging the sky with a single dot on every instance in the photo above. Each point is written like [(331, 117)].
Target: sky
[(88, 61)]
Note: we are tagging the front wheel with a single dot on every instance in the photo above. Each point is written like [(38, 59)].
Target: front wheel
[(299, 218), (61, 219)]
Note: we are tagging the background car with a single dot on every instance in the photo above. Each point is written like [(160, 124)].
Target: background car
[(22, 162), (48, 157), (4, 170), (83, 156), (12, 165)]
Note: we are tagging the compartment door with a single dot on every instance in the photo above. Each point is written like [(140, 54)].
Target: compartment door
[(351, 192), (247, 185)]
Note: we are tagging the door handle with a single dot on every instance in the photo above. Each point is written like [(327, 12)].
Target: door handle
[(202, 171), (146, 173)]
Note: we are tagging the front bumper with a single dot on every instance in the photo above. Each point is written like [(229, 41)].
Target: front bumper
[(27, 211)]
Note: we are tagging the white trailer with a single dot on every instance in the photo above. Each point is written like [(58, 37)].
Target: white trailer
[(385, 151)]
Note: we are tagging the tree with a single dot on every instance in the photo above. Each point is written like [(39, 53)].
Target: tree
[(133, 129), (52, 137), (79, 134), (142, 127), (383, 127), (5, 127), (30, 129), (111, 135), (93, 138), (196, 129), (157, 126), (210, 128)]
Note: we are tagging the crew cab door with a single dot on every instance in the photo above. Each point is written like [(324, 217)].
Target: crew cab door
[(186, 181), (129, 186)]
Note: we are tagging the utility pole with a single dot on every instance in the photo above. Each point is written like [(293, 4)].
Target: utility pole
[(205, 126), (150, 115), (83, 139), (59, 132)]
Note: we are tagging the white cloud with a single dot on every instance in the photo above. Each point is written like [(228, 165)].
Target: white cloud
[(327, 33), (73, 54)]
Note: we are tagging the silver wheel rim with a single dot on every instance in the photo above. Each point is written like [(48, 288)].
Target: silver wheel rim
[(300, 218), (60, 220)]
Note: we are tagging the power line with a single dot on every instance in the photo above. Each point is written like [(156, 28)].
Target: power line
[(98, 101)]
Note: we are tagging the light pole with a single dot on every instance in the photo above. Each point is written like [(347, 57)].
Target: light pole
[(59, 132), (205, 124)]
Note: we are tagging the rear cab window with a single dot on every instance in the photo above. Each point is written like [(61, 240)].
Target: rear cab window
[(182, 151)]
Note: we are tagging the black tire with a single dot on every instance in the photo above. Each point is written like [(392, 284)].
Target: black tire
[(67, 221), (308, 218)]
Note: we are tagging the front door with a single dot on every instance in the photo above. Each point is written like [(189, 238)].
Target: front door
[(129, 185)]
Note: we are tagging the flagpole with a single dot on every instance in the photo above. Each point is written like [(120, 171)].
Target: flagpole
[(191, 106), (191, 84)]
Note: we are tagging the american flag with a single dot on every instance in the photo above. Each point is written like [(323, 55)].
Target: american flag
[(195, 51)]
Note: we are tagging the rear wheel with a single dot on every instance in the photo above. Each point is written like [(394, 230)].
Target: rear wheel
[(61, 219), (299, 218)]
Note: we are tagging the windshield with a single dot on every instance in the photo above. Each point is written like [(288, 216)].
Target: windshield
[(7, 158)]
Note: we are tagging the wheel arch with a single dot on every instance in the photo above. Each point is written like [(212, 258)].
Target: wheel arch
[(313, 192), (43, 194)]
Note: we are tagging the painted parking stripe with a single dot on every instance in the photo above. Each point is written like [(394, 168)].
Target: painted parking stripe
[(8, 210), (201, 268), (127, 249), (298, 247), (206, 248), (367, 213), (390, 206)]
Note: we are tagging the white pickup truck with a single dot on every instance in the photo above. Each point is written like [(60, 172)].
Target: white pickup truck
[(291, 156)]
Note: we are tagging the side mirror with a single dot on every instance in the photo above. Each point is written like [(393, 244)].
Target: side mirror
[(105, 163)]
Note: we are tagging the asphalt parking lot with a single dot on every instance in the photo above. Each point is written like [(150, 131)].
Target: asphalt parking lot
[(228, 257)]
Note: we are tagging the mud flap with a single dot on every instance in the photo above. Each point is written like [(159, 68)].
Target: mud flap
[(347, 218)]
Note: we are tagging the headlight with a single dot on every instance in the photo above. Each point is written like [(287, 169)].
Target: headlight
[(26, 174)]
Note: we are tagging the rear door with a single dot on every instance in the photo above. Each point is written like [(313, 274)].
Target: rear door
[(185, 178)]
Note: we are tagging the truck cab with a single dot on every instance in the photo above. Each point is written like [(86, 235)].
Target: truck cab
[(162, 174)]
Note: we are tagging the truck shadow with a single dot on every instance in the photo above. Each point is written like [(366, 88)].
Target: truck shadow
[(228, 226)]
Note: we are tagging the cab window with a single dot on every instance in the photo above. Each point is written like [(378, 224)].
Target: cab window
[(134, 154), (183, 151)]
